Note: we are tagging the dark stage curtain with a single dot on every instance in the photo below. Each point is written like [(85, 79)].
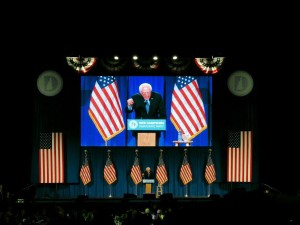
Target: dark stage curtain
[(123, 159), (61, 113)]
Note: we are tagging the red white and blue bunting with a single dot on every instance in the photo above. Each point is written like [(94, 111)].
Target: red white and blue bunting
[(81, 64), (210, 65)]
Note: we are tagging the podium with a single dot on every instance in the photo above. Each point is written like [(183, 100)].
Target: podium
[(148, 185), (146, 139), (146, 130)]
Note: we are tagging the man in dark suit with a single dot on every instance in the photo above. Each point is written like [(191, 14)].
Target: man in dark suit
[(147, 104), (148, 174), (139, 101)]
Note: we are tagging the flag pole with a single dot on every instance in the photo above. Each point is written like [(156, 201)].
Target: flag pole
[(85, 157), (186, 183), (110, 191), (161, 185), (186, 187), (208, 191), (136, 189), (108, 156), (136, 153), (186, 191)]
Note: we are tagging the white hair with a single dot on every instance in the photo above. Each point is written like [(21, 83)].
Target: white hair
[(145, 85)]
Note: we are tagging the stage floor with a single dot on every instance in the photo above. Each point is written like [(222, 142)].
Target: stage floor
[(130, 198)]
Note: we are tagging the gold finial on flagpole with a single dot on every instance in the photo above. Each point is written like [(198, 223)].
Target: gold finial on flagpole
[(185, 150), (161, 151)]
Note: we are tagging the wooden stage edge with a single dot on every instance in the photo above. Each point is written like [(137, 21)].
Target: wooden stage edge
[(146, 198)]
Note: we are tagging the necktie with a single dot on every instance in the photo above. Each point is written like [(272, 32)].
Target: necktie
[(147, 106)]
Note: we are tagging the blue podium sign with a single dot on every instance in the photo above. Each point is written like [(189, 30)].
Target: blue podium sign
[(148, 181), (146, 124)]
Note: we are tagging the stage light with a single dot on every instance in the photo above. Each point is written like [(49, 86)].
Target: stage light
[(145, 63), (178, 64), (114, 63)]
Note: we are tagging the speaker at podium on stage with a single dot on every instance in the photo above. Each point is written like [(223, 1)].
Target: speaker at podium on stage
[(150, 115), (148, 180)]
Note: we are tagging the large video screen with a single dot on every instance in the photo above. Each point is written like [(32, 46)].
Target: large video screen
[(104, 99)]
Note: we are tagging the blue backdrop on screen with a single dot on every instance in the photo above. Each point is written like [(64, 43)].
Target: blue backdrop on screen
[(127, 86)]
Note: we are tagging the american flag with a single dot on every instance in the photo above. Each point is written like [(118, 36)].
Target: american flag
[(85, 172), (105, 108), (161, 171), (210, 172), (109, 172), (239, 157), (187, 109), (51, 158), (136, 173), (185, 171)]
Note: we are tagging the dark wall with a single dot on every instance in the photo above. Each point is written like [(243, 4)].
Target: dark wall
[(276, 145)]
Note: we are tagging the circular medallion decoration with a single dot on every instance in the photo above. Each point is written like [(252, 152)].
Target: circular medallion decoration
[(240, 83), (133, 124), (49, 83)]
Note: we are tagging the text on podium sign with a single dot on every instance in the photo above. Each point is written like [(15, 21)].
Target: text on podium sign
[(146, 124)]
